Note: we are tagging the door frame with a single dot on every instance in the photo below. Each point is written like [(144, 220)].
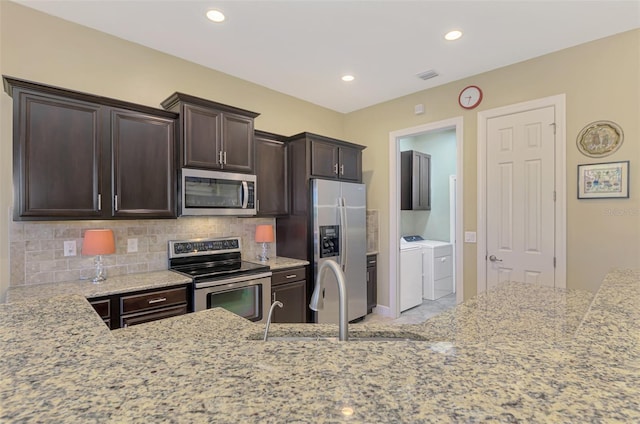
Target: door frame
[(394, 206), (559, 104)]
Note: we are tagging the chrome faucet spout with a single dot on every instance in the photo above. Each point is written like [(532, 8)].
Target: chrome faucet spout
[(266, 328), (317, 301)]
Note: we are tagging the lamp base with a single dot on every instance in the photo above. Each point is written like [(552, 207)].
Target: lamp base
[(101, 272), (262, 257)]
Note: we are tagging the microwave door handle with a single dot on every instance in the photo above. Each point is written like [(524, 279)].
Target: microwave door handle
[(245, 194)]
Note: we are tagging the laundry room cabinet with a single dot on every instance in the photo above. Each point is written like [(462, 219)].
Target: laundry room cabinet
[(415, 175)]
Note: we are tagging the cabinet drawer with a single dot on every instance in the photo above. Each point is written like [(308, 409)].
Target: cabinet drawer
[(127, 321), (442, 267), (102, 307), (287, 275), (152, 300)]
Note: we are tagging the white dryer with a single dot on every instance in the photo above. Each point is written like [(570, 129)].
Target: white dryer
[(410, 275)]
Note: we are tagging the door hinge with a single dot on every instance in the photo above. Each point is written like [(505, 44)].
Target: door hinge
[(554, 195), (554, 261), (554, 127)]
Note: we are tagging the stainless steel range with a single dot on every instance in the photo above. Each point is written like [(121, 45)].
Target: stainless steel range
[(221, 279)]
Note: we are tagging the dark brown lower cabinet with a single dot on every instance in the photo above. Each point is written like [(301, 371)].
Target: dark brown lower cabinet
[(123, 310), (372, 282), (289, 287)]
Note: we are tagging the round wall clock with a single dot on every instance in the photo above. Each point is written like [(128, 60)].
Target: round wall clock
[(470, 97)]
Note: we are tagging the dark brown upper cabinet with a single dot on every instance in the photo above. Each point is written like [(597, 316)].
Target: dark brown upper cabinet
[(415, 175), (143, 157), (317, 156), (80, 156), (335, 160), (271, 172), (213, 135)]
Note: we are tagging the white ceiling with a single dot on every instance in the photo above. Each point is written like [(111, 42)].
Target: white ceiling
[(303, 47)]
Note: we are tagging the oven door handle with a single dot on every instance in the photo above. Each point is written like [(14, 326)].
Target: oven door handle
[(230, 281)]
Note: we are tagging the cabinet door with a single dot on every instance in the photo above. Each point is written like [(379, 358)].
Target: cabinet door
[(422, 181), (56, 157), (202, 137), (372, 283), (324, 159), (350, 160), (271, 172), (293, 298), (143, 165), (237, 143)]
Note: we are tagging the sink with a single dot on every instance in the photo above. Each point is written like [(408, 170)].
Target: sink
[(351, 339)]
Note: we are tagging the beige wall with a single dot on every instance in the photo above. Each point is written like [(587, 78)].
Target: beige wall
[(600, 80)]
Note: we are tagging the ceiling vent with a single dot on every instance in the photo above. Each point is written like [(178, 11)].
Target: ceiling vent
[(427, 74)]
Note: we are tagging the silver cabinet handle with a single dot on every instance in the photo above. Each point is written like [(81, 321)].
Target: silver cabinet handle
[(290, 276), (99, 202), (342, 169), (224, 157), (158, 300), (220, 158), (493, 258), (115, 200), (335, 169)]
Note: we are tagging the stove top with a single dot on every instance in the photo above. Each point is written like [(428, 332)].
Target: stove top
[(210, 259)]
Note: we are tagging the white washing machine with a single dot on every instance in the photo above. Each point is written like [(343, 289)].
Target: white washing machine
[(437, 266), (410, 275)]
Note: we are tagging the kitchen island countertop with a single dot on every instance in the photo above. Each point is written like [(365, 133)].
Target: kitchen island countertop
[(517, 353)]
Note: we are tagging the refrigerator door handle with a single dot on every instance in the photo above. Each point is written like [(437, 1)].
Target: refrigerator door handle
[(343, 234)]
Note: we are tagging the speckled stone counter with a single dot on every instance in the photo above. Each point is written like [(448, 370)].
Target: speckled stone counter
[(280, 262), (113, 285), (516, 354)]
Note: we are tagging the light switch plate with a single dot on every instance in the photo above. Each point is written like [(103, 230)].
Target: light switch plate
[(70, 248), (469, 236), (132, 245)]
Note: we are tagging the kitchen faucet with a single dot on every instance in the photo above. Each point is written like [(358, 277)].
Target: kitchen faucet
[(266, 328), (317, 299)]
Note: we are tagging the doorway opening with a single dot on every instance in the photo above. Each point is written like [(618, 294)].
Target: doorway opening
[(443, 141)]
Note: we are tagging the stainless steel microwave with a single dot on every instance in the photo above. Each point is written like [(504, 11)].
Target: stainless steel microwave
[(217, 193)]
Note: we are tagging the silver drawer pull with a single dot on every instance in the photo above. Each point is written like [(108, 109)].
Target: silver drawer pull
[(372, 262), (291, 276), (158, 300)]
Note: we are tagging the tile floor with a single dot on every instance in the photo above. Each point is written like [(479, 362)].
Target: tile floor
[(418, 314)]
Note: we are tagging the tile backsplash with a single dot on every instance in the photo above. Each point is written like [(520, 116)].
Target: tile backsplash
[(372, 230), (37, 248)]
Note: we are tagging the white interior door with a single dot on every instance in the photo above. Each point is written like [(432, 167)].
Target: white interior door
[(520, 198)]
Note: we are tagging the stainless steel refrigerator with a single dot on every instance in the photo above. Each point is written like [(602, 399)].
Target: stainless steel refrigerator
[(339, 232)]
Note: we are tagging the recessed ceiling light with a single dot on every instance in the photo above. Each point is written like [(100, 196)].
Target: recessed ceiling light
[(348, 78), (215, 15), (453, 35)]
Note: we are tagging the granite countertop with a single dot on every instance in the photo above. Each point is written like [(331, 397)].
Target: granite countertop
[(121, 283), (113, 285), (519, 353)]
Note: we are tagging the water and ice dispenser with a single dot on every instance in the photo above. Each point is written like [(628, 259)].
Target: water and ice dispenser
[(329, 241)]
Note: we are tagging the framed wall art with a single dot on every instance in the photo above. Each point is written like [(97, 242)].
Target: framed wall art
[(599, 139), (603, 180)]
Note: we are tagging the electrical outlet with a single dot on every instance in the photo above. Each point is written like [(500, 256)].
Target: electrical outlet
[(132, 245), (70, 248), (469, 236)]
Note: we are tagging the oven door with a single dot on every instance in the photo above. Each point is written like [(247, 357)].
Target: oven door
[(247, 296)]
